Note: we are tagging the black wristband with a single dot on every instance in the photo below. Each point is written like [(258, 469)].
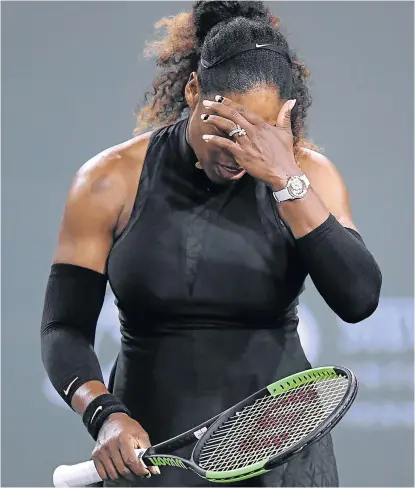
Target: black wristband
[(98, 411)]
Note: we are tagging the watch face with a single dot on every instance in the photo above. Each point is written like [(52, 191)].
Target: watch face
[(296, 187)]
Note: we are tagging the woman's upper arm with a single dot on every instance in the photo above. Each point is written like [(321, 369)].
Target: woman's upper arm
[(92, 209), (327, 182), (99, 204)]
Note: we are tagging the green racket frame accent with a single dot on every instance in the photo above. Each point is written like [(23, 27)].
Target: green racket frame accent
[(213, 476), (163, 460), (300, 379), (238, 474)]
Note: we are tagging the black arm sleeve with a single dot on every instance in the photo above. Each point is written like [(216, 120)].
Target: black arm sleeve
[(342, 269), (74, 298)]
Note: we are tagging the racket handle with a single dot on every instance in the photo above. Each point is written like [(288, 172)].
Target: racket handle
[(82, 474)]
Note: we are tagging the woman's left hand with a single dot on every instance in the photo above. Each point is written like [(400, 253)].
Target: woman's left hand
[(266, 151)]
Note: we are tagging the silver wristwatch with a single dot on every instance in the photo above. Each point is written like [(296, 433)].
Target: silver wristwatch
[(296, 187)]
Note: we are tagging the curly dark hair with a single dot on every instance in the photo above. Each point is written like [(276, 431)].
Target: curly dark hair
[(207, 32)]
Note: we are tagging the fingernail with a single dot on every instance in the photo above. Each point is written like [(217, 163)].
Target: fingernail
[(147, 475), (219, 99), (204, 116), (207, 103), (157, 470), (293, 102), (206, 137)]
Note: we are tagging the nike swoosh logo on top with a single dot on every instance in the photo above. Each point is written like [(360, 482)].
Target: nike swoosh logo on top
[(261, 45), (96, 411), (69, 387)]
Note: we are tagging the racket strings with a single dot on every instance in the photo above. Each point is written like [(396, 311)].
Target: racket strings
[(271, 425), (266, 444)]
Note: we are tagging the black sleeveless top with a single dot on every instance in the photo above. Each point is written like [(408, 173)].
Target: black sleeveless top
[(207, 279)]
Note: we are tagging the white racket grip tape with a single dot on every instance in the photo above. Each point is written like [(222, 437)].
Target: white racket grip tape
[(82, 474)]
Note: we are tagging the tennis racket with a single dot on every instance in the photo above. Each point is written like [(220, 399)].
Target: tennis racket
[(252, 437)]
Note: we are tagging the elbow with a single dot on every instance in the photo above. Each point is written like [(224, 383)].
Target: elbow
[(359, 310), (362, 301)]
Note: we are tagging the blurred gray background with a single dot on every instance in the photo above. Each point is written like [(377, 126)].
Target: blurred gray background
[(72, 74)]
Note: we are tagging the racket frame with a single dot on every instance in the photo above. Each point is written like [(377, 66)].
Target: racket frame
[(274, 389), (325, 427), (158, 455)]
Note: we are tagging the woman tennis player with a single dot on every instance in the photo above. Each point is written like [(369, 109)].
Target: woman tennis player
[(206, 229)]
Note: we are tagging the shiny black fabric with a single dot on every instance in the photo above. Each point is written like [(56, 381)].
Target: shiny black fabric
[(207, 280)]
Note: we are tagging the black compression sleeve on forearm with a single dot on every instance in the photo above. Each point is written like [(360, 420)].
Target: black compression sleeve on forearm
[(73, 301), (342, 269)]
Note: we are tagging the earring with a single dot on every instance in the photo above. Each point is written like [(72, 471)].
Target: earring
[(198, 165)]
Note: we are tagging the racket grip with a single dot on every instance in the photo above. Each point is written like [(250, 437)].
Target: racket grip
[(82, 474)]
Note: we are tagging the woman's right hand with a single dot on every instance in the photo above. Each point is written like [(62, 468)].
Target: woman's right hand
[(114, 455)]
